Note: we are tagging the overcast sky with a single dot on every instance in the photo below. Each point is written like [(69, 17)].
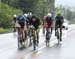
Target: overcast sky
[(65, 2)]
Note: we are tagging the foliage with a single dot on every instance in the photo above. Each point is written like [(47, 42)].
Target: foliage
[(6, 14), (38, 7), (10, 7)]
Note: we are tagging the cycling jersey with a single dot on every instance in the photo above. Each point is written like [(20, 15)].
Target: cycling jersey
[(44, 21), (35, 23), (59, 20), (49, 21), (21, 18)]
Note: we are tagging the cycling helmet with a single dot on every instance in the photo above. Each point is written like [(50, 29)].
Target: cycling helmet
[(49, 14), (15, 15), (25, 15)]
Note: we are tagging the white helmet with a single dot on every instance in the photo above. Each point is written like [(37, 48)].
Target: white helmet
[(49, 14), (15, 15), (25, 15)]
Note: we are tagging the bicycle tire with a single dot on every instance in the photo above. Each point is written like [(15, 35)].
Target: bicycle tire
[(19, 43), (60, 36), (34, 43), (20, 40), (30, 37), (57, 34), (48, 36)]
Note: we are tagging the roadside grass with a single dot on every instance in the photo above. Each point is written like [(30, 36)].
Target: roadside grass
[(2, 30)]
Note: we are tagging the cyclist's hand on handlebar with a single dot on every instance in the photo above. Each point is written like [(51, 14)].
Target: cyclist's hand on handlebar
[(32, 26)]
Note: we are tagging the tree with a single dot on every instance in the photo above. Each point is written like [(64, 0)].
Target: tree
[(6, 14)]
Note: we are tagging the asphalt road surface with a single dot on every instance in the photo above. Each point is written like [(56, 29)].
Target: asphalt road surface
[(64, 50)]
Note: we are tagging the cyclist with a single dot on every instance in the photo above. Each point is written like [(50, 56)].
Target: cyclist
[(59, 21), (35, 23), (49, 21), (21, 20), (14, 21), (28, 21)]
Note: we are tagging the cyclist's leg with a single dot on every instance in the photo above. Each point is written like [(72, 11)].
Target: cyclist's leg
[(23, 30), (51, 30), (37, 35), (34, 36), (20, 34), (51, 26), (47, 35), (28, 30), (56, 26), (46, 32)]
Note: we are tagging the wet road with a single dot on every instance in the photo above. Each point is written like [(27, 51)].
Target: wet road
[(65, 50)]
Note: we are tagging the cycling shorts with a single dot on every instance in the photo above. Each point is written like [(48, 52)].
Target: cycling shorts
[(22, 24), (58, 23), (49, 24)]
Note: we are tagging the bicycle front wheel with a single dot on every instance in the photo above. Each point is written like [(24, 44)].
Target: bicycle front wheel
[(57, 34)]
